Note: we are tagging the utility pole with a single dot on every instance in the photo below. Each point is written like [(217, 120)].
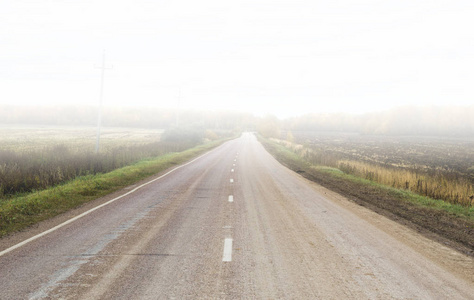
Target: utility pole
[(178, 107), (101, 98)]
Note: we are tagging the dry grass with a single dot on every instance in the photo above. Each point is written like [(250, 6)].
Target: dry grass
[(436, 179), (35, 158), (439, 186)]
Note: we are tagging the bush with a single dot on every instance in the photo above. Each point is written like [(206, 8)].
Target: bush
[(183, 136)]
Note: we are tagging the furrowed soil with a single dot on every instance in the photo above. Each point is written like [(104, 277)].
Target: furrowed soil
[(454, 231)]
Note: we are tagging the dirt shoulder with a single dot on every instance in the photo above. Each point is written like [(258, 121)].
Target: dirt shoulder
[(444, 227)]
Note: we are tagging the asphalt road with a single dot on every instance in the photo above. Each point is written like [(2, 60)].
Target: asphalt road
[(233, 224)]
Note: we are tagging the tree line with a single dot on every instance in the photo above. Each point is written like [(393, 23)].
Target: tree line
[(408, 120)]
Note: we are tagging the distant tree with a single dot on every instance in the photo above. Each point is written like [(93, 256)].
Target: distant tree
[(269, 127), (210, 135)]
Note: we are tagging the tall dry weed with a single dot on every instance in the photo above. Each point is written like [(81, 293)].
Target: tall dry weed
[(437, 184)]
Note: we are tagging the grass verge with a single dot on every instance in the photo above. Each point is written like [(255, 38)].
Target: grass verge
[(448, 223), (25, 210)]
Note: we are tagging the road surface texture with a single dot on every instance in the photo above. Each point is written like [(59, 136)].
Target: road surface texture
[(233, 224)]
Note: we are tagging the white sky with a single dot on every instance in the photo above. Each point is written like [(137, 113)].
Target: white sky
[(281, 57)]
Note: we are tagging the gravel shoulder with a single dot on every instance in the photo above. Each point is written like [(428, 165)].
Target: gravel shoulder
[(438, 225)]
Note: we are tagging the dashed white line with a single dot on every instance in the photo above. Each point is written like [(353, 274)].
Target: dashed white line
[(231, 198), (227, 256), (231, 180), (232, 170)]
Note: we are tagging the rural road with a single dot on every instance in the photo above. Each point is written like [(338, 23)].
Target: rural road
[(233, 224)]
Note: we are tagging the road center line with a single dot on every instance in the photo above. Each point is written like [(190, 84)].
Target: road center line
[(231, 180), (95, 208), (227, 256), (231, 198), (232, 170)]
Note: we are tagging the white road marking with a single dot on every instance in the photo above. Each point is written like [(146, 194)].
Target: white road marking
[(232, 170), (227, 256), (233, 165), (231, 198), (93, 209), (231, 180)]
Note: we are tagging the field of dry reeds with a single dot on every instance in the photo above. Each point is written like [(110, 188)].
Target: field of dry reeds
[(35, 158)]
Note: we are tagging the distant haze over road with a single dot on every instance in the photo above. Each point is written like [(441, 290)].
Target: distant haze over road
[(408, 120)]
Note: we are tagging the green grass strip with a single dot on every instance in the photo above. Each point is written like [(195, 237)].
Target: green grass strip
[(25, 210)]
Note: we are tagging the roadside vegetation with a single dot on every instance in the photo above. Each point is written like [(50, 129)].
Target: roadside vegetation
[(435, 199), (37, 183), (52, 155), (440, 168)]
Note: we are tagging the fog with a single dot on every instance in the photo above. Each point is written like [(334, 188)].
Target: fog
[(285, 58), (407, 120)]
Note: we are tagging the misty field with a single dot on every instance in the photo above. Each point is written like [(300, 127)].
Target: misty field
[(25, 138), (437, 167), (35, 158)]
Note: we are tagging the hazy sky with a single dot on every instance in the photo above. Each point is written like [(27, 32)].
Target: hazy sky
[(280, 57)]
